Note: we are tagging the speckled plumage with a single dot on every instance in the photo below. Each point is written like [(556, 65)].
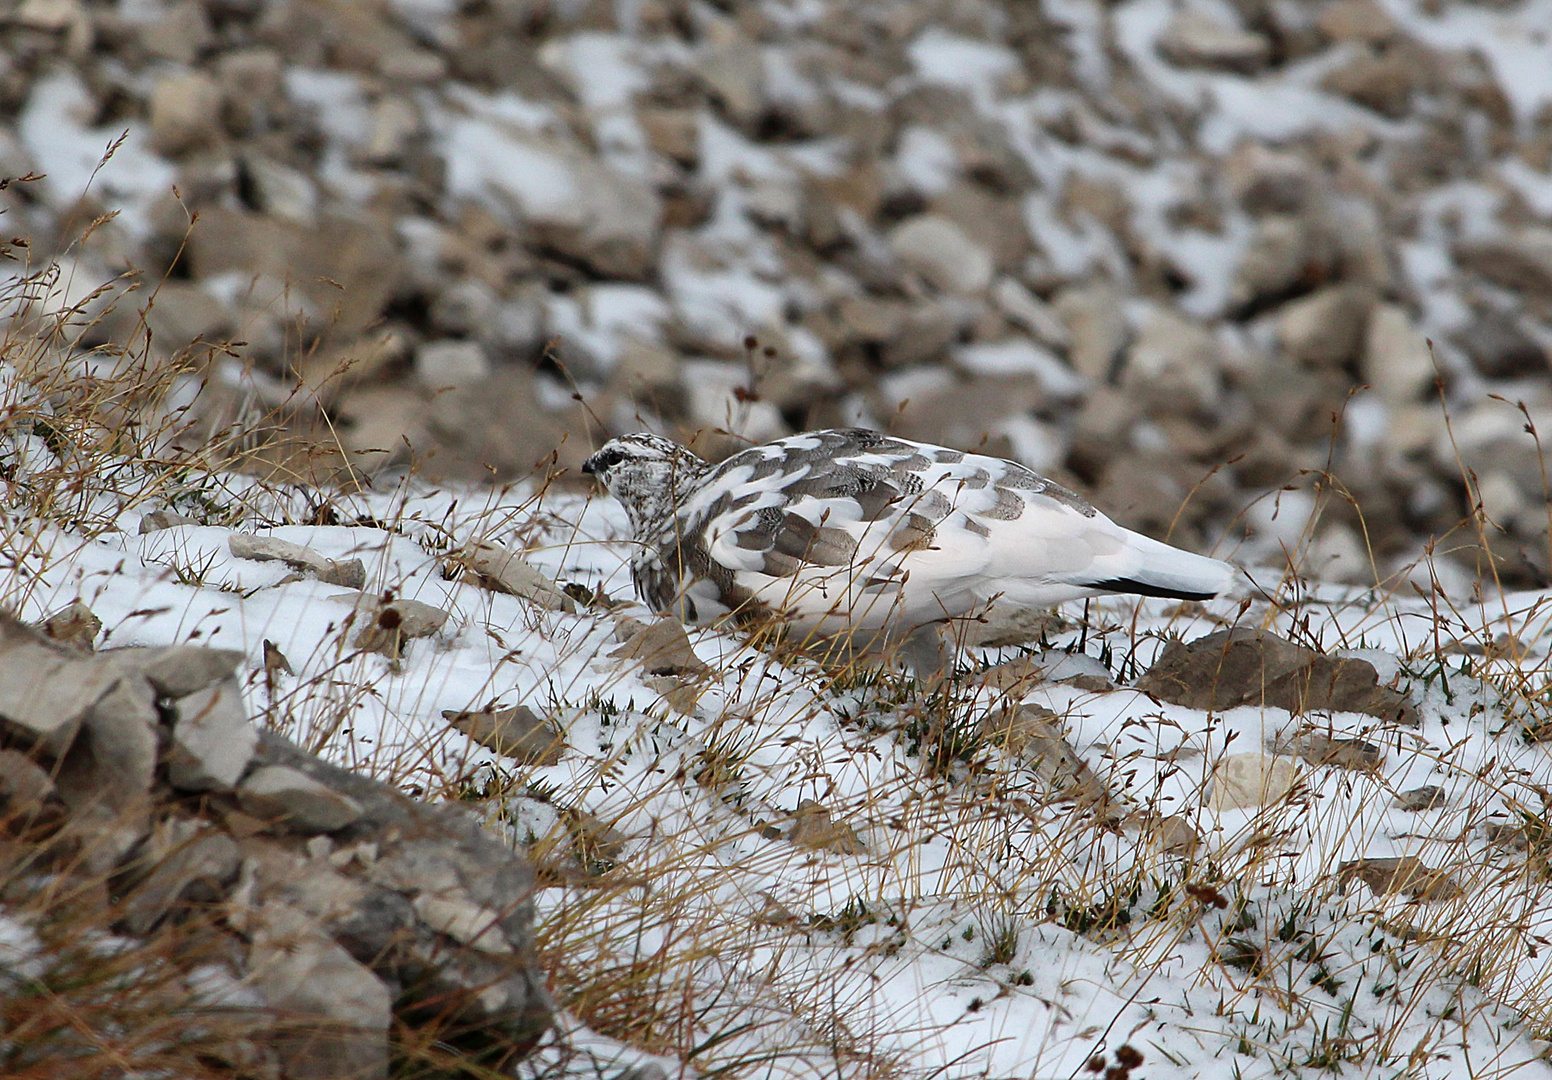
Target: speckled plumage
[(850, 530)]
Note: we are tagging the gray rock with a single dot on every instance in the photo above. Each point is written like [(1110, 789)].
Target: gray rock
[(386, 625), (1327, 327), (351, 573), (1521, 261), (279, 190), (938, 249), (180, 670), (1251, 780), (1419, 799), (1396, 358), (1194, 38), (518, 733), (504, 571), (27, 794), (45, 693), (443, 364), (73, 625), (342, 1010), (1097, 326), (296, 801), (212, 740), (185, 111), (158, 520), (197, 871), (1276, 261)]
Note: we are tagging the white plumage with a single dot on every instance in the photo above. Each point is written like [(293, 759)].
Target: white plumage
[(851, 531)]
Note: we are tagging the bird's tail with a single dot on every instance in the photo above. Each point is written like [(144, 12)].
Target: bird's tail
[(1161, 570)]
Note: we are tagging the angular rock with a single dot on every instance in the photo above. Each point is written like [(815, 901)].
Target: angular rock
[(28, 797), (1194, 38), (1242, 781), (296, 801), (1397, 359), (387, 624), (1384, 81), (1319, 749), (212, 740), (813, 828), (74, 625), (938, 249), (442, 364), (1327, 327), (1095, 321), (350, 573), (1245, 666), (180, 670), (662, 647), (195, 872), (336, 1011), (1030, 312), (1419, 799), (1035, 733), (158, 520), (504, 571), (1521, 261), (1175, 365), (518, 733), (185, 111), (45, 692), (1406, 874)]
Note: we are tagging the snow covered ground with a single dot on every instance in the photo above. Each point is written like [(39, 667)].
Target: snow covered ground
[(771, 869)]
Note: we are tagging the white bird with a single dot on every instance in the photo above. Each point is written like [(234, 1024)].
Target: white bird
[(847, 532)]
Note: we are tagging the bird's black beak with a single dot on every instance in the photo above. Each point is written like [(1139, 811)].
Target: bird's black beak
[(587, 467)]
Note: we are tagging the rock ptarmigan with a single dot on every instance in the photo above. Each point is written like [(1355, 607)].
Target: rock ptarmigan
[(850, 532)]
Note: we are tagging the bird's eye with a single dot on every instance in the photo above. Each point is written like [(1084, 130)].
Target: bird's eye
[(610, 458)]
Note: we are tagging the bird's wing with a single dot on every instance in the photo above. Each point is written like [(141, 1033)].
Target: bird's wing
[(878, 527)]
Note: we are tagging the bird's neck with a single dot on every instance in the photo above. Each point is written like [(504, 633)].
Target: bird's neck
[(653, 510)]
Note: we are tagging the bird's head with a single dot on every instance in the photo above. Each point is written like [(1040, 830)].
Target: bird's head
[(646, 472)]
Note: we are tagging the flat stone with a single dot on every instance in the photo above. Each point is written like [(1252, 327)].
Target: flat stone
[(212, 740), (344, 1008), (663, 647), (297, 801), (1397, 360), (813, 828), (1034, 733), (185, 111), (1194, 38), (73, 625), (942, 252), (1342, 753), (1251, 780), (196, 872), (385, 625), (518, 733), (1406, 874), (350, 573), (1419, 799), (1327, 327), (45, 693), (442, 364), (1097, 326), (1521, 261), (157, 520), (504, 571), (1245, 666), (180, 670), (28, 797), (463, 920)]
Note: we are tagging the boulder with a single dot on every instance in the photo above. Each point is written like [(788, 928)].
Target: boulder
[(1245, 666)]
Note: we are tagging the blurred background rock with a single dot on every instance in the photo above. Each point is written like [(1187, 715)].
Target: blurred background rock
[(1275, 278)]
